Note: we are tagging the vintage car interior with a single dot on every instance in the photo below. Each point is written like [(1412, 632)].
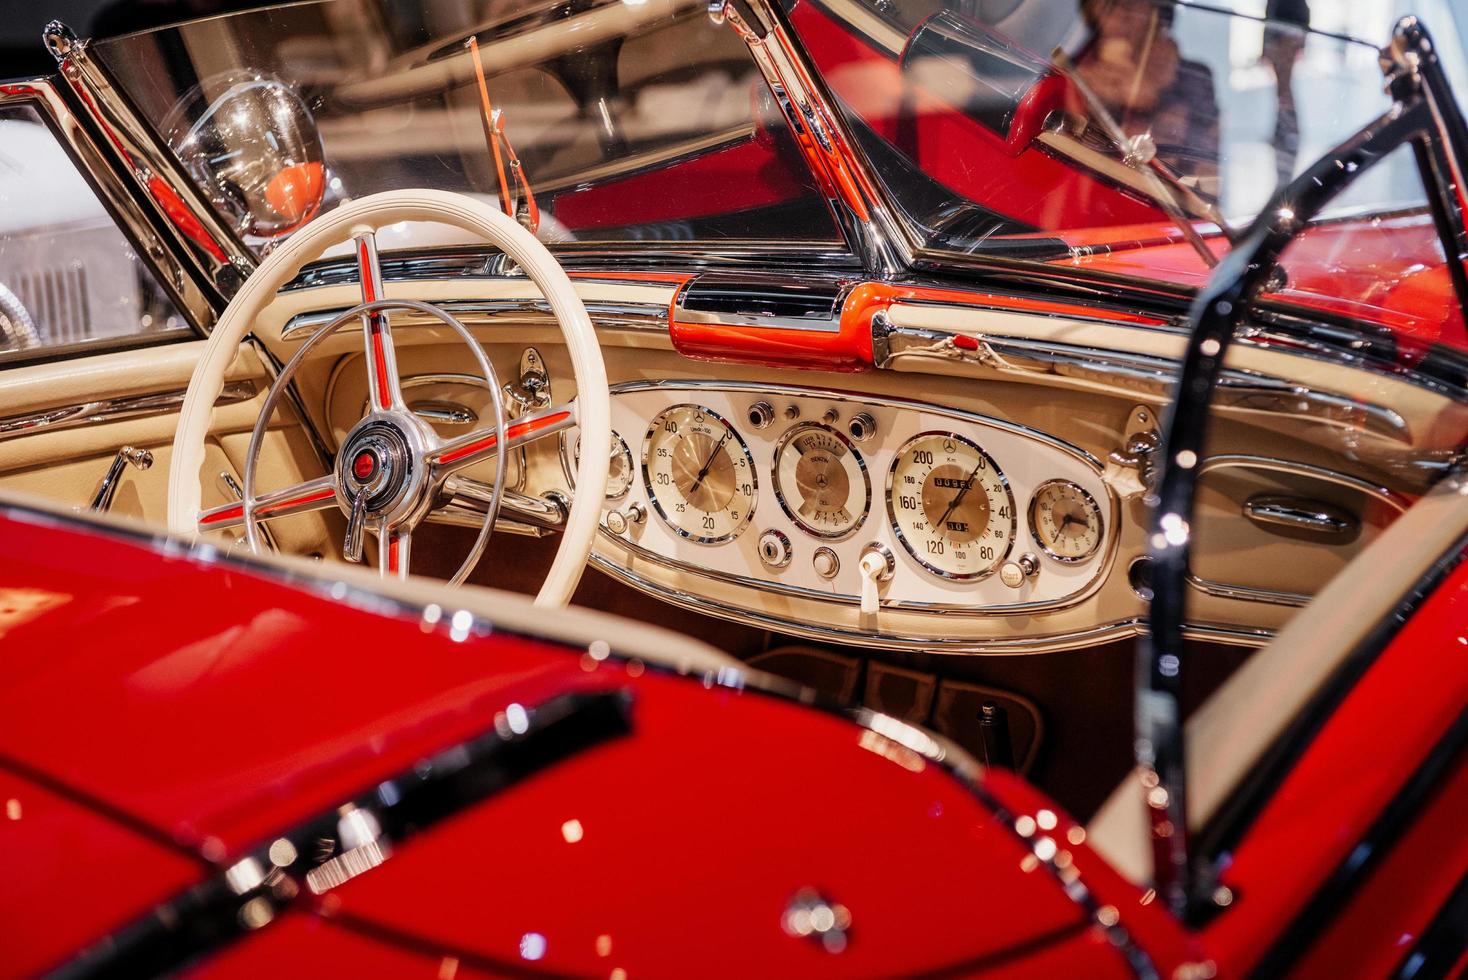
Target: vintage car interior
[(848, 357)]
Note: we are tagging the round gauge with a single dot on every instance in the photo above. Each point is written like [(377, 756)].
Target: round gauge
[(699, 474), (821, 481), (951, 506), (619, 475), (1065, 521)]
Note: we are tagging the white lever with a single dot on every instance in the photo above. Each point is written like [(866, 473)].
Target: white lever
[(876, 566)]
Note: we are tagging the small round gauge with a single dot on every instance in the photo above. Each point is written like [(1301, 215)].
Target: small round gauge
[(951, 506), (1065, 521), (699, 474), (821, 481), (619, 474)]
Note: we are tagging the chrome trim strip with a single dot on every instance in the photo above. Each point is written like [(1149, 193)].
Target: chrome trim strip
[(635, 316), (1150, 374), (113, 410), (1040, 643)]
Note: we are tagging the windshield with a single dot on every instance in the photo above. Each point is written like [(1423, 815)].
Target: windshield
[(1130, 137), (610, 122)]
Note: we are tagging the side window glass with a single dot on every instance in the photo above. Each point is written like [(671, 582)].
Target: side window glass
[(68, 275)]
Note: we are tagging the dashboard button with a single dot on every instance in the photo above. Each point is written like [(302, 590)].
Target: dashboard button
[(862, 426), (761, 414), (825, 563)]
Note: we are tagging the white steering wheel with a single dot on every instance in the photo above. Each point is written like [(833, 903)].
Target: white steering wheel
[(391, 467)]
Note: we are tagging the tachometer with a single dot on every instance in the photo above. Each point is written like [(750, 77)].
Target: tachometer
[(1065, 521), (821, 481), (699, 474), (951, 506)]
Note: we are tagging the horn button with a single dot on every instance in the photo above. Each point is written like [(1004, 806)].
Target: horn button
[(375, 464)]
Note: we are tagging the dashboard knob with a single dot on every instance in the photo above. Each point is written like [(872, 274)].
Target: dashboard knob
[(1014, 573), (761, 414), (618, 521), (862, 426), (825, 563), (792, 412), (774, 549)]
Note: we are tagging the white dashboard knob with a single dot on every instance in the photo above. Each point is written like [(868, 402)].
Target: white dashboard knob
[(825, 563), (1014, 573)]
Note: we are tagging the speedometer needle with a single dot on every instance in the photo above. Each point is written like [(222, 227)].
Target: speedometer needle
[(698, 480), (958, 498)]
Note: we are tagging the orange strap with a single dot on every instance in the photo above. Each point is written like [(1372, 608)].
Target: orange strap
[(494, 145)]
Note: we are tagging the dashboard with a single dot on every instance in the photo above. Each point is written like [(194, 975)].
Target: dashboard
[(868, 503)]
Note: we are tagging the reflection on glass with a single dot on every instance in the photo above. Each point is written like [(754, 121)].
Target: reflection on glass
[(629, 120)]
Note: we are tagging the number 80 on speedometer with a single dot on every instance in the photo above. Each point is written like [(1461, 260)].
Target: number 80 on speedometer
[(951, 506)]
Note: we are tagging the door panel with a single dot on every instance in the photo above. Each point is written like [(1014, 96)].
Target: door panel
[(66, 421)]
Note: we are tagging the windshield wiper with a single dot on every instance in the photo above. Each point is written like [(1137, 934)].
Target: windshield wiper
[(1162, 184)]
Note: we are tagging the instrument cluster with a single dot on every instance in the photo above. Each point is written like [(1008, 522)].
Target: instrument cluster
[(856, 499)]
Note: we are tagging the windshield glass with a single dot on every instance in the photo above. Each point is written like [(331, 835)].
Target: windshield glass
[(619, 121), (1121, 136)]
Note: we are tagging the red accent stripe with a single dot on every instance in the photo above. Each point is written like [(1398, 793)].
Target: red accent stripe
[(512, 432), (374, 326), (237, 511), (229, 513), (325, 493), (392, 553)]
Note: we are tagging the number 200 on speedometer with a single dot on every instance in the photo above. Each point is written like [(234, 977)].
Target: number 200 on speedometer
[(951, 506)]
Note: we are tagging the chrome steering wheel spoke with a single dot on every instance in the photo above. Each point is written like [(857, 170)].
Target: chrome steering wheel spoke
[(464, 451), (383, 388), (300, 498), (394, 550)]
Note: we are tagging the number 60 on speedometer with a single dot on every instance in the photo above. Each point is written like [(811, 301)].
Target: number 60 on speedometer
[(951, 506)]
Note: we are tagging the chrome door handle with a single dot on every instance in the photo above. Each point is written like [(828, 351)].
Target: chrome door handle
[(1302, 514), (126, 456)]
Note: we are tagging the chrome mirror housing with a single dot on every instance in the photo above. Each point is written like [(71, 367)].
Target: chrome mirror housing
[(251, 143)]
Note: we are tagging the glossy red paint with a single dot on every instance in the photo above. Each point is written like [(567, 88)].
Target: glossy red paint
[(1357, 763), (246, 704), (512, 431), (1389, 272), (1029, 186), (749, 171)]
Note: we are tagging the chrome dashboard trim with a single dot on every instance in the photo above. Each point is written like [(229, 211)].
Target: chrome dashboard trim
[(1103, 562), (1149, 374), (112, 410), (1044, 643), (635, 316)]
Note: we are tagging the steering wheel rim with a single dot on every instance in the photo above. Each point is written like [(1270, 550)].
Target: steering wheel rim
[(360, 220)]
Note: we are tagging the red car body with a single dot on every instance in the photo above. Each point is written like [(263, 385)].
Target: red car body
[(139, 762)]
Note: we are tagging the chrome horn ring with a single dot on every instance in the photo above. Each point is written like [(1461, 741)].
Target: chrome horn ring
[(400, 490)]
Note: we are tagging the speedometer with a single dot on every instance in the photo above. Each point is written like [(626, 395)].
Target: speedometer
[(951, 506), (699, 474)]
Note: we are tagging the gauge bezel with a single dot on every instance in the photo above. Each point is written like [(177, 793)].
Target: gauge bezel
[(902, 537), (1090, 502), (657, 505), (568, 462), (861, 464)]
